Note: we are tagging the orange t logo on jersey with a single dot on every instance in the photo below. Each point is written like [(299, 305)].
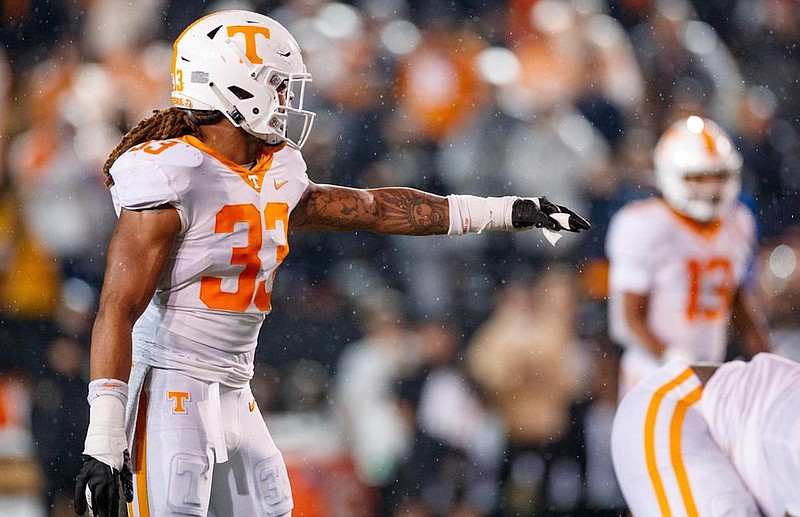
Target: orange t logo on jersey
[(179, 397), (249, 32)]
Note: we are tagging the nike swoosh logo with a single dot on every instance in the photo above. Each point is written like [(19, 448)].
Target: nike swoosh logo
[(285, 55), (279, 184), (252, 406)]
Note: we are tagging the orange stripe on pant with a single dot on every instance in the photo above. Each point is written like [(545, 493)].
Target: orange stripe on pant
[(675, 448), (650, 440), (140, 458)]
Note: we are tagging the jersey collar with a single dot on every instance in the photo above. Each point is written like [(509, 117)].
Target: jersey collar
[(254, 176), (705, 230)]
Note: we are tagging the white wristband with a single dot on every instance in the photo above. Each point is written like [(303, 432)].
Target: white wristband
[(478, 214), (105, 438), (113, 387)]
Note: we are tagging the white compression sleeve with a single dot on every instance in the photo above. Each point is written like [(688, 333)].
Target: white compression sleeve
[(477, 214), (105, 438)]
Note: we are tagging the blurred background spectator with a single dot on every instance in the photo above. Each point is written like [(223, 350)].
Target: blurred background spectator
[(452, 468), (57, 419), (525, 358), (479, 358), (364, 395)]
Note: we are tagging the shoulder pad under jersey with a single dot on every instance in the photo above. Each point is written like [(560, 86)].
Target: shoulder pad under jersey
[(152, 174), (172, 152), (635, 227), (744, 220), (642, 216), (294, 159)]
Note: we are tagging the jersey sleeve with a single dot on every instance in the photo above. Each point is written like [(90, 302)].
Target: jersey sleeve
[(629, 251), (143, 181)]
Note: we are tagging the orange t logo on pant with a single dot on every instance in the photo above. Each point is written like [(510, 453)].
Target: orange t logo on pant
[(179, 397)]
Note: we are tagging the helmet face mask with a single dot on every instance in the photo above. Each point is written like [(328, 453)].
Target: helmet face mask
[(291, 122), (249, 67), (698, 169), (710, 195)]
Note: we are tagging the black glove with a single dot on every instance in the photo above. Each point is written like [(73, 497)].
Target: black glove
[(525, 213), (104, 484)]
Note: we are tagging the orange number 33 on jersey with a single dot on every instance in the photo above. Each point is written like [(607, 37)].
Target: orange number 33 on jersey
[(247, 291)]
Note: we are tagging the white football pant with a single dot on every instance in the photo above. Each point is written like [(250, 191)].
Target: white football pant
[(666, 462), (203, 449)]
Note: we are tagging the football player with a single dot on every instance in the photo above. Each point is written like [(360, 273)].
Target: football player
[(206, 192), (712, 440), (679, 263)]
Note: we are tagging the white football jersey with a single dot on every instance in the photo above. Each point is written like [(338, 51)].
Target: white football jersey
[(691, 274), (753, 413), (215, 291)]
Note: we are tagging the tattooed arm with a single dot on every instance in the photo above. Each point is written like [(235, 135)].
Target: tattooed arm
[(398, 211)]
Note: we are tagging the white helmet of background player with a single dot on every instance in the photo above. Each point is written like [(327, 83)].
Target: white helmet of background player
[(698, 170), (247, 66)]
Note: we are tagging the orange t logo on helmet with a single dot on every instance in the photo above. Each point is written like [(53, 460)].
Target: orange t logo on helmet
[(249, 32), (243, 64)]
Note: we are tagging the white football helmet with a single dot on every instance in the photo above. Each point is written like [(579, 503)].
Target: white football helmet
[(689, 151), (249, 67)]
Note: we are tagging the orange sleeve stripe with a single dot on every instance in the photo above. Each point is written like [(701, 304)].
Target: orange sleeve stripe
[(675, 449), (650, 440), (140, 461)]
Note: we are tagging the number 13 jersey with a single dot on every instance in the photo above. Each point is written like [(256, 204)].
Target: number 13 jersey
[(215, 291), (690, 273)]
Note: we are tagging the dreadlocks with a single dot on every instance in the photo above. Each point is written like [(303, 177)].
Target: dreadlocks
[(162, 125)]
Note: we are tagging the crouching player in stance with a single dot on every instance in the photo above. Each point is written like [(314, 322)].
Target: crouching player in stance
[(712, 441), (206, 192)]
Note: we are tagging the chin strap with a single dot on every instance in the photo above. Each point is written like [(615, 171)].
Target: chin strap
[(273, 139), (231, 111)]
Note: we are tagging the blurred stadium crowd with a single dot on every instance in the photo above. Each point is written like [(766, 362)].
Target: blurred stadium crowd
[(432, 376)]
